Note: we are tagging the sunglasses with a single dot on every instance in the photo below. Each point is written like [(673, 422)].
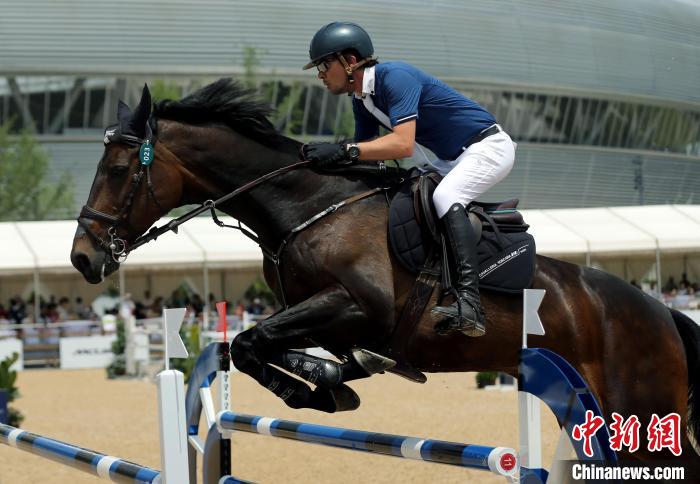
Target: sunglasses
[(325, 64)]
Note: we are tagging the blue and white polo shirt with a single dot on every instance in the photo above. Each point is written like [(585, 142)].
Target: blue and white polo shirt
[(445, 119)]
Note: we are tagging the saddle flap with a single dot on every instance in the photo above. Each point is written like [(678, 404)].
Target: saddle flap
[(423, 206)]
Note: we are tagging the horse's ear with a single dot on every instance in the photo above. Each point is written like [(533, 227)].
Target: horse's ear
[(142, 111), (123, 112)]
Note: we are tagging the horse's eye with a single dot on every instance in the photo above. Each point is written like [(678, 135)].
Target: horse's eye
[(118, 170)]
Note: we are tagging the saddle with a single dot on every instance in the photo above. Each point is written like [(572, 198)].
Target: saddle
[(506, 254), (413, 228)]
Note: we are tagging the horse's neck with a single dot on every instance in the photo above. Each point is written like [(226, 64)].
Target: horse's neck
[(272, 208)]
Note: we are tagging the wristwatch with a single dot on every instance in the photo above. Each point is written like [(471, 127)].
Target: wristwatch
[(352, 150)]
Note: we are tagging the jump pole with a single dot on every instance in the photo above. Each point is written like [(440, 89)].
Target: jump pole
[(173, 434), (499, 460), (95, 463)]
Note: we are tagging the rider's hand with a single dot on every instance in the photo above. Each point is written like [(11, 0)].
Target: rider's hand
[(325, 155)]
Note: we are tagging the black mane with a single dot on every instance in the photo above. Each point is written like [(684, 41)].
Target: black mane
[(225, 101)]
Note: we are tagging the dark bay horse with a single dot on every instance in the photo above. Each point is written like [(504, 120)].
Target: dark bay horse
[(340, 281)]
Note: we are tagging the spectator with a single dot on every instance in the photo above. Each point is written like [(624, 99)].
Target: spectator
[(126, 307), (63, 309), (157, 307), (670, 285), (684, 282), (140, 310), (653, 291), (4, 315), (81, 310), (197, 304), (147, 299), (18, 310), (256, 308), (244, 321)]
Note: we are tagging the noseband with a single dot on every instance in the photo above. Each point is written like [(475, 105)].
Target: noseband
[(116, 246)]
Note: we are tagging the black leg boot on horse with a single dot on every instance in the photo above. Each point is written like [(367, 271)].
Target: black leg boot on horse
[(465, 314)]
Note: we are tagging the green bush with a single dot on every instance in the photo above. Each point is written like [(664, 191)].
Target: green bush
[(8, 377), (118, 366), (484, 378)]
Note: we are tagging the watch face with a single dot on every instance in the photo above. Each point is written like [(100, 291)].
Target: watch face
[(354, 152)]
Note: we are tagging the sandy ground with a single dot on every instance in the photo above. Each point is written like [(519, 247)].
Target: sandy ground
[(119, 417)]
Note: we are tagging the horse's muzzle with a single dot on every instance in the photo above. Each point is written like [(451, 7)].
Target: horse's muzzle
[(94, 269)]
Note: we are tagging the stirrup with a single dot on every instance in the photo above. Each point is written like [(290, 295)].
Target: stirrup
[(450, 319)]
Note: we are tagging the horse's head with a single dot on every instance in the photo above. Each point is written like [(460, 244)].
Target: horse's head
[(135, 184)]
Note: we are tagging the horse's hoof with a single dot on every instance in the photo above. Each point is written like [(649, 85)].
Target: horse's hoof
[(372, 362), (339, 399)]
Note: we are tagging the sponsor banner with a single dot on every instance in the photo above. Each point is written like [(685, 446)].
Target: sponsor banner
[(86, 351), (9, 346)]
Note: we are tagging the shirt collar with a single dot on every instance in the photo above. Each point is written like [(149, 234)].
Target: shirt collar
[(367, 82)]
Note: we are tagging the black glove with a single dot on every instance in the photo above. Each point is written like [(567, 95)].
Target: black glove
[(325, 155)]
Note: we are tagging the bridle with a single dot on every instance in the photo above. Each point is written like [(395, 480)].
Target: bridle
[(117, 247), (120, 248)]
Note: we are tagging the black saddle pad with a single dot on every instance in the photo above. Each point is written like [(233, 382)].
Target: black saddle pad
[(506, 258)]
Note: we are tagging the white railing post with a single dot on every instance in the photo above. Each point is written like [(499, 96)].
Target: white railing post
[(171, 404), (529, 405)]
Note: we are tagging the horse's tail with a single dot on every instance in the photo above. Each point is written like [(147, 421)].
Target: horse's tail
[(690, 334)]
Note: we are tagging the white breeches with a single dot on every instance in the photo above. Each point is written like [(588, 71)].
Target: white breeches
[(475, 171)]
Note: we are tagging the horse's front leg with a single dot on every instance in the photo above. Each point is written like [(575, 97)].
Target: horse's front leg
[(329, 315)]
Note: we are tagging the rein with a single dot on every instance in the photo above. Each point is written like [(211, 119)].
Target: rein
[(211, 205), (274, 256), (120, 249)]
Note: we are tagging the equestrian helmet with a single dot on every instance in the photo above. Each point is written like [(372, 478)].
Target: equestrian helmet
[(337, 37)]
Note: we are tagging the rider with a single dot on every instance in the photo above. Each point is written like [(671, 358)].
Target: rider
[(474, 152)]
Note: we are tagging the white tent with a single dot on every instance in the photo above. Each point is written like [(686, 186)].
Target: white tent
[(615, 232), (46, 246)]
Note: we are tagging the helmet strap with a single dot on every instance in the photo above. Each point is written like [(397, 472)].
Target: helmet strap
[(348, 69)]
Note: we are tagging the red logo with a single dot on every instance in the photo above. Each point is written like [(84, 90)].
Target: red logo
[(624, 433), (665, 433), (587, 430)]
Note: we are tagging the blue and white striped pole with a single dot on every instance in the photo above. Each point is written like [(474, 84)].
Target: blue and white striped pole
[(100, 465), (499, 460)]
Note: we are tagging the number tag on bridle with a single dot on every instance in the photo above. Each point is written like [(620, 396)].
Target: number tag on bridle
[(146, 153)]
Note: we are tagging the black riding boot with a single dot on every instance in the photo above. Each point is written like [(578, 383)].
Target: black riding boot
[(465, 314)]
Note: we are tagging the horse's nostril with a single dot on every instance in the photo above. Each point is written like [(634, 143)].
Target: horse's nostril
[(81, 262)]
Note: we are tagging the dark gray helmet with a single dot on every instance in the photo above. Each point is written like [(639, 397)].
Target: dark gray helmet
[(337, 37)]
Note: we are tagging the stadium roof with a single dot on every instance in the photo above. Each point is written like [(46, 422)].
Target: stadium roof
[(605, 232), (636, 48)]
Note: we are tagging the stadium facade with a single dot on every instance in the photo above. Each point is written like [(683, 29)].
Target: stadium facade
[(602, 95)]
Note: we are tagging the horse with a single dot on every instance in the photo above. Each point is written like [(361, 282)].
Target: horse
[(327, 259)]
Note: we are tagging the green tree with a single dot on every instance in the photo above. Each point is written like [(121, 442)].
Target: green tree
[(251, 62), (161, 90), (28, 193), (259, 288)]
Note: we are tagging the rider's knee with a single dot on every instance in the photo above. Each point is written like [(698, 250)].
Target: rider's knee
[(444, 197)]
